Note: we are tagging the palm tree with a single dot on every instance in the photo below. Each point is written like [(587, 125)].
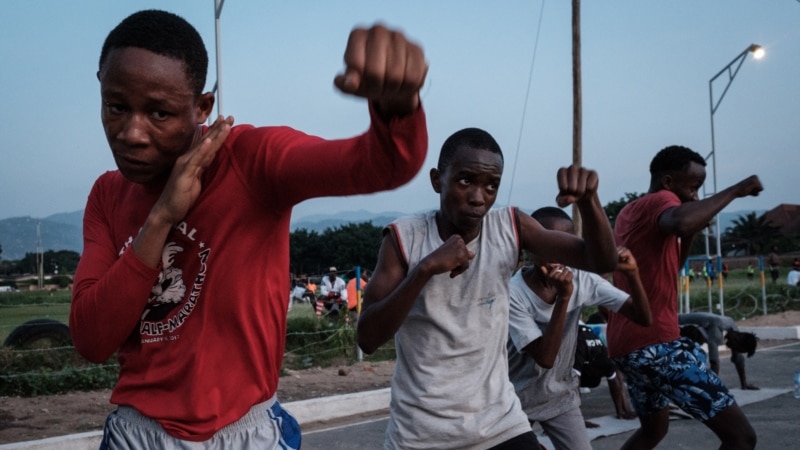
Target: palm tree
[(751, 231)]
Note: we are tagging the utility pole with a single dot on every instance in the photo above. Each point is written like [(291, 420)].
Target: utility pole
[(39, 256), (577, 109)]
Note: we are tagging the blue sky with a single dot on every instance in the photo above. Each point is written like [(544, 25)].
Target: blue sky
[(646, 69)]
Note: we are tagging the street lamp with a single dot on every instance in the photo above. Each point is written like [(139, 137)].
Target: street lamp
[(758, 53)]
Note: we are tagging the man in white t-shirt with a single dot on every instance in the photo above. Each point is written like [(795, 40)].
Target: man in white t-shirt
[(333, 291)]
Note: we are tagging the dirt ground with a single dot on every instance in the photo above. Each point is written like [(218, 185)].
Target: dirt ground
[(23, 419)]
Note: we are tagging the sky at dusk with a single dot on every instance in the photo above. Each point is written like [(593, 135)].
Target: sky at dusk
[(502, 66)]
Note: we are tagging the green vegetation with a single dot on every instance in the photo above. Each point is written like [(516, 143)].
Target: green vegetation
[(310, 341), (17, 308), (743, 298), (347, 246)]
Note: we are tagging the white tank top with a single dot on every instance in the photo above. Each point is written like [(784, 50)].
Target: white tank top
[(450, 387)]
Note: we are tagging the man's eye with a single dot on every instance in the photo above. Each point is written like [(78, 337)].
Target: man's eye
[(114, 108), (463, 181), (160, 115)]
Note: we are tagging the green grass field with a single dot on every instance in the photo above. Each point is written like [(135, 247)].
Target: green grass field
[(741, 298), (17, 308)]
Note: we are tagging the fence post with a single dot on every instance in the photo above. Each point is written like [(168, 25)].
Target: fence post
[(763, 283), (359, 353)]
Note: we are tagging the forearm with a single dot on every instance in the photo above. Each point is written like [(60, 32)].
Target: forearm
[(393, 151), (380, 320), (691, 217), (386, 156), (640, 306), (545, 351), (107, 302), (600, 250)]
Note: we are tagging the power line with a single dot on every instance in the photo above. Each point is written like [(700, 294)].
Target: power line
[(525, 105)]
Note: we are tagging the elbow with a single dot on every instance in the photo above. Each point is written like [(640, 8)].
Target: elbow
[(366, 347), (366, 344), (90, 351), (87, 347), (606, 265)]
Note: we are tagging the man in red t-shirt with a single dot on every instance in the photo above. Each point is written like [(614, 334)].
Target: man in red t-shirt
[(185, 261), (659, 366)]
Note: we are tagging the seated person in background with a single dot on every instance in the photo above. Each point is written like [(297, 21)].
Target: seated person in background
[(793, 278), (546, 304), (712, 329), (333, 292)]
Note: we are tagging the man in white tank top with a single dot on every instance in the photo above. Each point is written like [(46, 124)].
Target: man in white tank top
[(440, 288)]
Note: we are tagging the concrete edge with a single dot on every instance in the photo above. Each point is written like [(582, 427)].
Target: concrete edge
[(774, 332), (319, 409), (305, 411), (328, 408)]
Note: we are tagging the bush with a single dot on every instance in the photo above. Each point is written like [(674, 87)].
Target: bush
[(310, 341), (51, 371)]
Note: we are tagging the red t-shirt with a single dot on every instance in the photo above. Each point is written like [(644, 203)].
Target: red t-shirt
[(658, 257), (201, 339)]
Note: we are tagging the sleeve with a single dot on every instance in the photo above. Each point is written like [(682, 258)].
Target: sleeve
[(110, 290), (522, 328), (604, 293), (660, 202), (325, 287), (301, 166)]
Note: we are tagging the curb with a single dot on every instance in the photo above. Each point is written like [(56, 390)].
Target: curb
[(305, 411), (774, 332), (338, 406), (320, 409)]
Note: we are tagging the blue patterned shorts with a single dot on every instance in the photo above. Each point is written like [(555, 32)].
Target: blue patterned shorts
[(676, 371)]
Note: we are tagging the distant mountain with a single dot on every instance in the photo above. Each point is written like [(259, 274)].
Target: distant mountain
[(57, 232), (320, 222), (74, 218), (63, 231)]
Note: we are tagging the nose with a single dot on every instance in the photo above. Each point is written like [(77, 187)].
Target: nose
[(475, 196), (133, 130)]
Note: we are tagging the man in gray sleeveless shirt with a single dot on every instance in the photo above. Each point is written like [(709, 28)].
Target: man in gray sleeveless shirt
[(440, 288)]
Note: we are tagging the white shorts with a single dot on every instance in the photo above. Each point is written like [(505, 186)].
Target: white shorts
[(266, 426)]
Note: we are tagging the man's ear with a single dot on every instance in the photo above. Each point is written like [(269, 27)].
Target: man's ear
[(204, 105), (436, 181), (666, 182)]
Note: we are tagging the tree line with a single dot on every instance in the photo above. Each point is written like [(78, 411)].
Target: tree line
[(357, 244)]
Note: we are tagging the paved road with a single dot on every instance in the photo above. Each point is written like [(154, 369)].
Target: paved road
[(776, 420)]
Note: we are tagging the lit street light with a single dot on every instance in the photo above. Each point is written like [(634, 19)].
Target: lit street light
[(758, 53)]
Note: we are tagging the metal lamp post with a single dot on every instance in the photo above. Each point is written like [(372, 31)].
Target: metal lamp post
[(758, 53)]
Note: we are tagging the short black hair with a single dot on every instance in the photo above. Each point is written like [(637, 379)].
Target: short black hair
[(741, 341), (165, 34), (674, 158), (468, 137), (550, 212)]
